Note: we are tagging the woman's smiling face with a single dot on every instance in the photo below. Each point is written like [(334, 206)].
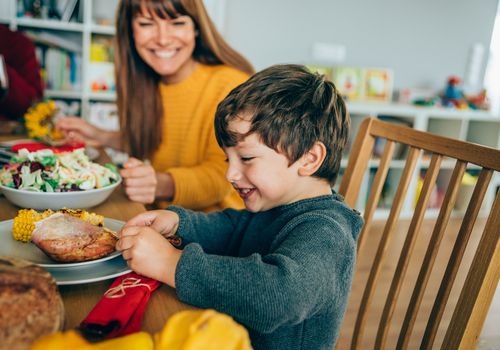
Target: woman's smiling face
[(165, 44)]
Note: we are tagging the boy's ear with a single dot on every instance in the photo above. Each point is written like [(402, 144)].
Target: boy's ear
[(312, 159)]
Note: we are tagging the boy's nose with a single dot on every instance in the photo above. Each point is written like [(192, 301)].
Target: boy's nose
[(232, 174)]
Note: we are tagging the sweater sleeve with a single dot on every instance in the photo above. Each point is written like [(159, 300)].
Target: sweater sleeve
[(212, 231), (204, 184), (310, 267), (25, 85)]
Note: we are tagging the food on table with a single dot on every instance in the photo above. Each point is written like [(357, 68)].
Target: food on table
[(66, 238), (46, 171), (74, 340), (186, 330), (24, 222), (31, 306)]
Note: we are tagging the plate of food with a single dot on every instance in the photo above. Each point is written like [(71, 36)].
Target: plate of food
[(63, 239), (48, 180), (74, 245), (90, 273)]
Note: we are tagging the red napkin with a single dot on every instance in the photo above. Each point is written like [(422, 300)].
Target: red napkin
[(120, 310), (36, 146)]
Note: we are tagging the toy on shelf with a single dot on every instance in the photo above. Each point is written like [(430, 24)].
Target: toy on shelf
[(479, 101), (454, 97)]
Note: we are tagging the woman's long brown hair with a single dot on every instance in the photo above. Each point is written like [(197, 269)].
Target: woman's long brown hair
[(138, 95)]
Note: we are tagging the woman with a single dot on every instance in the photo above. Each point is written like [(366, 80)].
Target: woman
[(172, 69)]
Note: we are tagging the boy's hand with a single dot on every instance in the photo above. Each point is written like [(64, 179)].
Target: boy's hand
[(165, 222), (139, 180), (149, 254)]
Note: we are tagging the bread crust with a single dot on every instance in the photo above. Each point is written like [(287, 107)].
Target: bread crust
[(30, 302)]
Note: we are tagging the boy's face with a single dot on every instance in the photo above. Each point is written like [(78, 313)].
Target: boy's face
[(261, 175)]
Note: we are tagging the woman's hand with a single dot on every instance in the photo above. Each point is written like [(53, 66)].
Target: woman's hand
[(163, 221), (77, 130), (148, 253), (139, 180)]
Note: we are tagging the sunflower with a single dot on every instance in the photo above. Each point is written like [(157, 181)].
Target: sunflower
[(39, 122)]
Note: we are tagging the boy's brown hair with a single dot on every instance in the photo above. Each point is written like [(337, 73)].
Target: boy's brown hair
[(290, 108)]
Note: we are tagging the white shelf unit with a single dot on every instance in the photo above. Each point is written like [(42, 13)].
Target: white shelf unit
[(474, 126), (80, 33)]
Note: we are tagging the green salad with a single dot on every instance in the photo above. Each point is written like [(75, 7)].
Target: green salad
[(46, 171)]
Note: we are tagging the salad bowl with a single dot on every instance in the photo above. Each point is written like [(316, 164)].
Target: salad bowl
[(58, 200), (44, 180)]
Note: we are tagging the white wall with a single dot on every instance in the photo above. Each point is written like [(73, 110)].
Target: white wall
[(424, 41)]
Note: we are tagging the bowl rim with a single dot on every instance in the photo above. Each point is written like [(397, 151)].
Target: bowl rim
[(94, 190)]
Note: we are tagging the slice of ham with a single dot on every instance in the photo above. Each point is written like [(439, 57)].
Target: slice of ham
[(69, 239)]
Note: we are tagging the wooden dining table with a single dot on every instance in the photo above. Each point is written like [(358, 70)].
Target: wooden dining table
[(79, 299)]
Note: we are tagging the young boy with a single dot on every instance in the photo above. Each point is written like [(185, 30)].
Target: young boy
[(283, 266)]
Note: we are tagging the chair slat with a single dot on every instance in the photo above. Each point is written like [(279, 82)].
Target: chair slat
[(455, 258), (430, 255), (382, 247), (476, 154), (479, 287), (376, 190), (354, 173), (406, 252), (484, 273)]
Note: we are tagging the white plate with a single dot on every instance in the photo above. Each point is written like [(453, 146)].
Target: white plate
[(11, 143), (91, 152), (29, 251), (57, 200), (90, 273)]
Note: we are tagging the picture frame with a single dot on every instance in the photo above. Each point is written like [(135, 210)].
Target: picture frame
[(349, 81), (378, 84)]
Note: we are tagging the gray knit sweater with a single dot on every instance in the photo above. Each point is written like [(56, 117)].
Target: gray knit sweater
[(285, 274)]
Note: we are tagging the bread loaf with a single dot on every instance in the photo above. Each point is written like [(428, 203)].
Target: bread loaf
[(30, 304)]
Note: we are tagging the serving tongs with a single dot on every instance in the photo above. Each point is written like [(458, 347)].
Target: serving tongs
[(5, 155)]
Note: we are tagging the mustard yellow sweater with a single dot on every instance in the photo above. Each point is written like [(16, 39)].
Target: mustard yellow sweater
[(189, 151)]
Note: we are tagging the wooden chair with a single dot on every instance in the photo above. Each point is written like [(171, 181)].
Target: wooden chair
[(482, 275)]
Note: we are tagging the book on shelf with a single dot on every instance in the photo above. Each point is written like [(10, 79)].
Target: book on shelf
[(436, 197), (49, 39), (69, 9), (61, 70), (400, 151), (101, 68), (388, 188)]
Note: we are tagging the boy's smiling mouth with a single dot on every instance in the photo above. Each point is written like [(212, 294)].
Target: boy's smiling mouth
[(245, 192)]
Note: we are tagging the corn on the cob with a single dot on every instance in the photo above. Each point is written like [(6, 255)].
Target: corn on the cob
[(24, 222), (93, 218)]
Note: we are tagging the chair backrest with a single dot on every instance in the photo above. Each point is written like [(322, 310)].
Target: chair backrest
[(482, 276)]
